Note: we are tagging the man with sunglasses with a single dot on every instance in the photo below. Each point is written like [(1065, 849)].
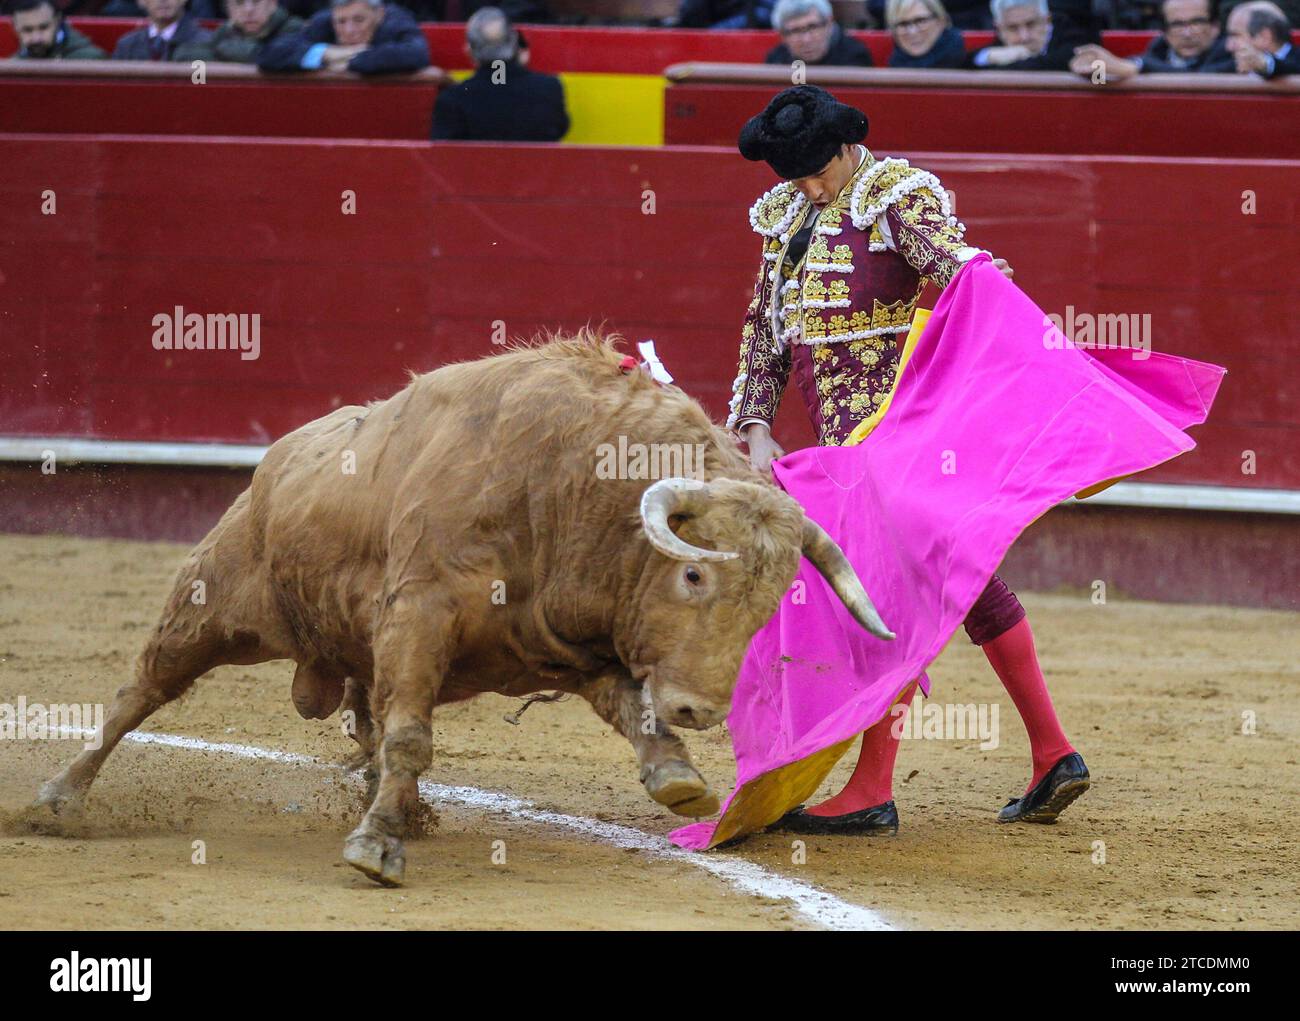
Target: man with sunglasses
[(1190, 43)]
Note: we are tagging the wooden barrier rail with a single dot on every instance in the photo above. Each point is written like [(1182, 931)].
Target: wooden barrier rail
[(133, 97), (1214, 116)]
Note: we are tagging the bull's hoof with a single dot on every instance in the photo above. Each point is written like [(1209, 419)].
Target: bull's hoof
[(677, 786), (57, 811), (381, 858)]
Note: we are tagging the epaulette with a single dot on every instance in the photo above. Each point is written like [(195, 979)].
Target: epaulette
[(776, 209), (884, 183)]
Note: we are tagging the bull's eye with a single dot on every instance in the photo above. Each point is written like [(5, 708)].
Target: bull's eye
[(693, 575)]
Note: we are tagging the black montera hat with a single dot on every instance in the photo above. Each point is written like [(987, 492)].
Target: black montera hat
[(801, 131)]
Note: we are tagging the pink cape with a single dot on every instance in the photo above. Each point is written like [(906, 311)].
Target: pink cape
[(995, 420)]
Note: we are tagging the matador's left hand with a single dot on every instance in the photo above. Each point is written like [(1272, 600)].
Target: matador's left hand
[(1007, 271)]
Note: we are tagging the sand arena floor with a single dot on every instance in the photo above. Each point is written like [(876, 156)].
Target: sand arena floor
[(1196, 819)]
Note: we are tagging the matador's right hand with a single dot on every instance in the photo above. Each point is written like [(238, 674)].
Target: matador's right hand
[(763, 450)]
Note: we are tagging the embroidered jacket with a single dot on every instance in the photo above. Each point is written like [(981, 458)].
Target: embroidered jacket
[(839, 308)]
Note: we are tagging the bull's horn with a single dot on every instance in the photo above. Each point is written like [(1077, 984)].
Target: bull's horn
[(675, 496), (823, 553)]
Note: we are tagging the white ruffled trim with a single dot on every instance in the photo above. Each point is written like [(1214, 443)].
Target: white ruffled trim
[(838, 303), (797, 202), (917, 179), (841, 338), (827, 267)]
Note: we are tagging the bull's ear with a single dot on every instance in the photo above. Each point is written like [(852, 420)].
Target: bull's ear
[(825, 554)]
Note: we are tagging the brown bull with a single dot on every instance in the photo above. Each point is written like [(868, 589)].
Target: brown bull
[(459, 538)]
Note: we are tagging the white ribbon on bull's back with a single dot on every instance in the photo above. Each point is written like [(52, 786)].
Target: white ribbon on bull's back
[(658, 373)]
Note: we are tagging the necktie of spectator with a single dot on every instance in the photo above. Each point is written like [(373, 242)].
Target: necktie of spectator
[(156, 47)]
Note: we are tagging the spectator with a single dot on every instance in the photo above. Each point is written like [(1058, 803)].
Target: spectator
[(44, 35), (1258, 36), (923, 35), (252, 24), (170, 26), (725, 13), (362, 36), (1028, 39), (502, 100), (809, 33), (1190, 43)]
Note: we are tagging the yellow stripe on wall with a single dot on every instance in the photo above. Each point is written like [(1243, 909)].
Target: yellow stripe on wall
[(611, 109)]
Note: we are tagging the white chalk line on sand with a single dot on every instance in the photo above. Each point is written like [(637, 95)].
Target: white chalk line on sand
[(749, 877)]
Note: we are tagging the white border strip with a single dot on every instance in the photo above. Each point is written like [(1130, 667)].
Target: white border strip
[(1201, 498), (72, 451), (749, 877), (234, 455)]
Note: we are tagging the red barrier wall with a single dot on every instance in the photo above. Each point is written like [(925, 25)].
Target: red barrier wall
[(233, 101), (625, 50), (449, 241), (1059, 117)]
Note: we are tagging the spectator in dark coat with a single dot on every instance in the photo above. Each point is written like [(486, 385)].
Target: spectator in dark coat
[(1259, 38), (170, 27), (1029, 39), (362, 36), (43, 34), (725, 13), (923, 35), (1190, 43), (502, 101), (809, 33), (252, 24)]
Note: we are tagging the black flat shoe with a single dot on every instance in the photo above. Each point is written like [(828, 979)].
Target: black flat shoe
[(1051, 795), (877, 821)]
